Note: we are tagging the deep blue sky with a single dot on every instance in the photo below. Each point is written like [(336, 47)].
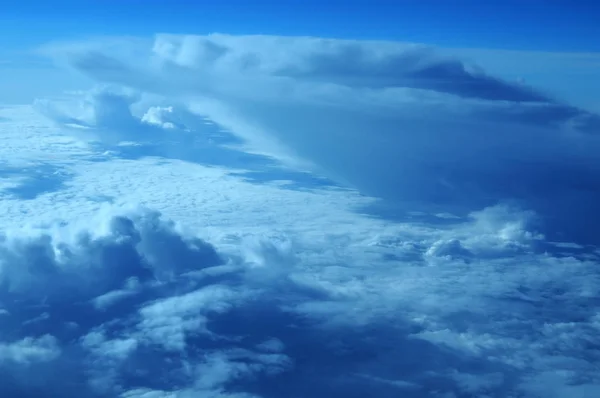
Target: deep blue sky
[(546, 25)]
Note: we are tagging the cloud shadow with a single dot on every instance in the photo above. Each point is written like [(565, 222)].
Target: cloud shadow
[(34, 181)]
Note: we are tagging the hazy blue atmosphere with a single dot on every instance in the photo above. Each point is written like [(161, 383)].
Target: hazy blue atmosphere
[(300, 199)]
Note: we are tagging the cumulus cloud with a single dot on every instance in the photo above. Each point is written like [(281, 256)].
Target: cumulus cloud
[(64, 282), (128, 306)]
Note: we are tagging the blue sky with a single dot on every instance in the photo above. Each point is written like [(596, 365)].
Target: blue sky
[(541, 25)]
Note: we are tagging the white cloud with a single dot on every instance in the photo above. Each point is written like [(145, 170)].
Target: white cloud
[(114, 296), (169, 321), (157, 115), (30, 350)]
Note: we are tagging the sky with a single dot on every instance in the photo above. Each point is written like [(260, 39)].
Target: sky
[(299, 199), (534, 25)]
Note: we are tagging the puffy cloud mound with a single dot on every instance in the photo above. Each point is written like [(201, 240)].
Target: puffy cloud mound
[(397, 121), (75, 295), (134, 306)]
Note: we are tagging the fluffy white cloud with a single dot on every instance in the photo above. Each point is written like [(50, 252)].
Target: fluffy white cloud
[(30, 350), (64, 269)]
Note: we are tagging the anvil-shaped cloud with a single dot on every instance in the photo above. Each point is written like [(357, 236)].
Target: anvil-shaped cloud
[(397, 121)]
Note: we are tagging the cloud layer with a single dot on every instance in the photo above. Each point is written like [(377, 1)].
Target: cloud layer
[(468, 275)]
